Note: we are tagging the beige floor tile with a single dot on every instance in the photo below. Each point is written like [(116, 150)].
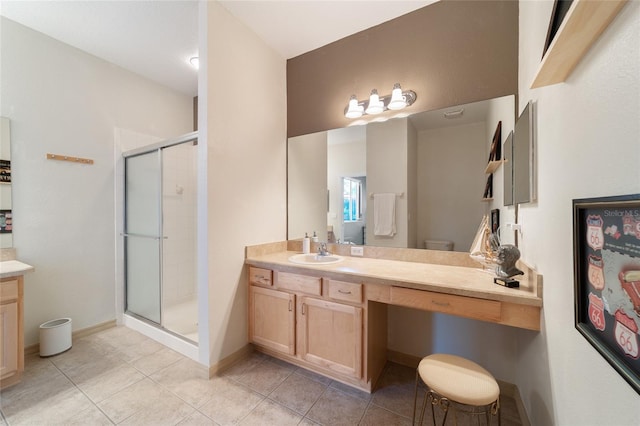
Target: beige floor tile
[(189, 380), (156, 361), (307, 422), (120, 336), (351, 391), (197, 419), (136, 351), (100, 385), (337, 408), (230, 403), (271, 413), (145, 402), (54, 407), (91, 416), (509, 408), (313, 376), (298, 393), (397, 397), (379, 416), (239, 368), (40, 383), (265, 377), (82, 352)]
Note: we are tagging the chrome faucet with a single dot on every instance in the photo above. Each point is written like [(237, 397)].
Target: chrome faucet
[(322, 250)]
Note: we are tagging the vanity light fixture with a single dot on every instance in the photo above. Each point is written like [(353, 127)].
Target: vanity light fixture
[(195, 61), (354, 110), (377, 104)]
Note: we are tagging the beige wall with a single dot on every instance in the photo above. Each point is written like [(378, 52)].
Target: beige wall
[(587, 146), (387, 156), (501, 109), (245, 167), (451, 176), (450, 53), (307, 175), (61, 100)]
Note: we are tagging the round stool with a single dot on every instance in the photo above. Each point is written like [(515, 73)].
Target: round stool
[(454, 382)]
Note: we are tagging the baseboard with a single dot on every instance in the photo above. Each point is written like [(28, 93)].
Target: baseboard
[(403, 359), (227, 362), (78, 334), (507, 389)]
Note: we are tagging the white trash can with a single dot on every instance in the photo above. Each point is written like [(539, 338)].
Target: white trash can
[(55, 336)]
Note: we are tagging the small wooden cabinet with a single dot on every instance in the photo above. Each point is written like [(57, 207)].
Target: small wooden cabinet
[(11, 333), (292, 316)]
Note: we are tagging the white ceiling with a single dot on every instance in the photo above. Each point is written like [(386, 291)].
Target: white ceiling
[(156, 38)]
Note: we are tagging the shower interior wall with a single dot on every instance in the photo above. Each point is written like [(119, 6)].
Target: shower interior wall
[(179, 225)]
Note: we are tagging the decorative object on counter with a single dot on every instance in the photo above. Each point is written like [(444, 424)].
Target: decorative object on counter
[(306, 244), (484, 248), (606, 241), (508, 255)]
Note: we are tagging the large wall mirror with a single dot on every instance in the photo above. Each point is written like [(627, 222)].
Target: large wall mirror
[(434, 162), (6, 218)]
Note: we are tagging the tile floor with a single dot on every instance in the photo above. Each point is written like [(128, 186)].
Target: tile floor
[(119, 376)]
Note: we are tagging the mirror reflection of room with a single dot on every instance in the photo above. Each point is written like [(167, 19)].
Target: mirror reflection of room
[(434, 161)]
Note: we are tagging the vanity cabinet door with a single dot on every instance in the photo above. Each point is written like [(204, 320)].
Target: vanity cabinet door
[(9, 339), (272, 319), (330, 335)]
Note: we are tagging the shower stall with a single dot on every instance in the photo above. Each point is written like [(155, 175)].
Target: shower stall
[(160, 236)]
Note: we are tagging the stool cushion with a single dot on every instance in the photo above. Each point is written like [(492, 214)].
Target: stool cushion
[(458, 379)]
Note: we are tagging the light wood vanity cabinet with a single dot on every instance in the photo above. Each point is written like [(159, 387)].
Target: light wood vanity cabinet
[(272, 319), (296, 319), (330, 335), (11, 325)]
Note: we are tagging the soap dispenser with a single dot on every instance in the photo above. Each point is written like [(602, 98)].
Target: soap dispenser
[(306, 244), (314, 239)]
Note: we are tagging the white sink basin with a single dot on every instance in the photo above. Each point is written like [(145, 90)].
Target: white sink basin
[(315, 259)]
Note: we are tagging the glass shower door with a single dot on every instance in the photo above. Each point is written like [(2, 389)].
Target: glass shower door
[(143, 234)]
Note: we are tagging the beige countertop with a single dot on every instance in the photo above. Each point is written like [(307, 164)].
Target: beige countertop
[(458, 280), (14, 268)]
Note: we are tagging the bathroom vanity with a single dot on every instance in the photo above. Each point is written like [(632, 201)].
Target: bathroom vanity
[(11, 321), (332, 318)]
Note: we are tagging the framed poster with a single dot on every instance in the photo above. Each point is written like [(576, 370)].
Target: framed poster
[(606, 242), (6, 222)]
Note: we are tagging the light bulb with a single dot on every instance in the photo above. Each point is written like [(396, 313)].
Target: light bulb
[(376, 106), (195, 61), (398, 100), (354, 110)]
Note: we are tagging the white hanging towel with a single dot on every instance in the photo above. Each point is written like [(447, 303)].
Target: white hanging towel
[(384, 215)]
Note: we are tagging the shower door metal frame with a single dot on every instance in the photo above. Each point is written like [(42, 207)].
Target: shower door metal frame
[(156, 147)]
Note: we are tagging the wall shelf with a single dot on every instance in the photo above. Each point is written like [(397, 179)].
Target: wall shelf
[(492, 166), (581, 27)]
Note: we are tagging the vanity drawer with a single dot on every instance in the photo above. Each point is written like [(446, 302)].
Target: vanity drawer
[(299, 283), (348, 292), (8, 291), (470, 307), (260, 276)]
